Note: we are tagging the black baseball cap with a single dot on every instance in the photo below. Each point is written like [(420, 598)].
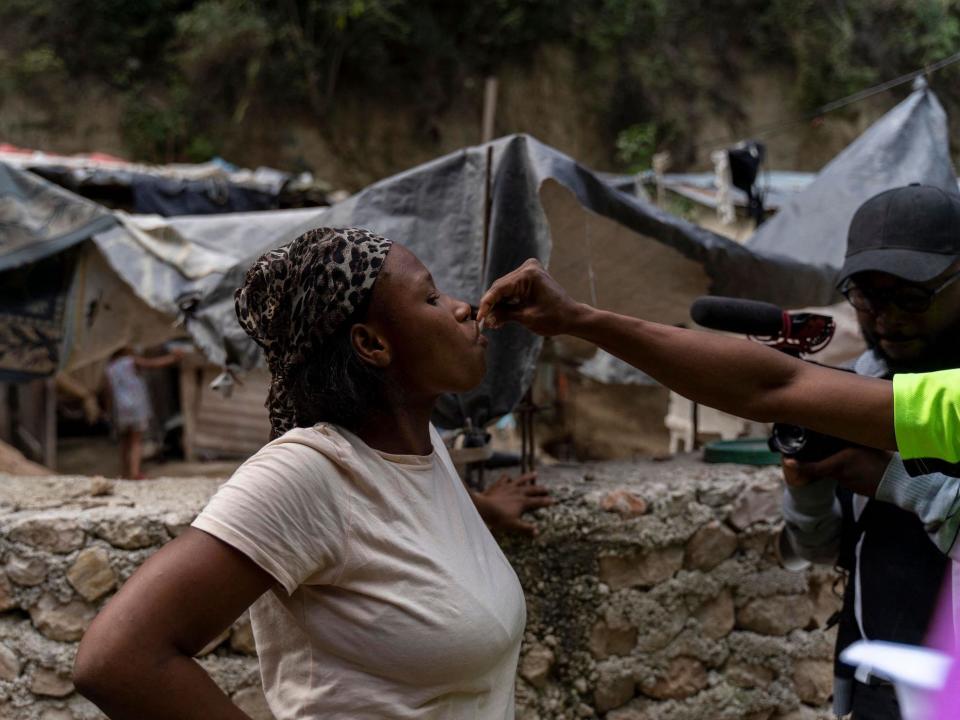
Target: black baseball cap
[(912, 232)]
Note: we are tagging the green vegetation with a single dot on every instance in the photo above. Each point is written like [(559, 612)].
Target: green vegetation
[(636, 145), (191, 71)]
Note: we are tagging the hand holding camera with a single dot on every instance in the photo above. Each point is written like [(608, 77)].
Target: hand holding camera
[(858, 469)]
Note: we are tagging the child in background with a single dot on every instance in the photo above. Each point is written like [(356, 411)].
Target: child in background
[(131, 403)]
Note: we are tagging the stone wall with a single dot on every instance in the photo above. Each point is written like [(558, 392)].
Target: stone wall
[(653, 591)]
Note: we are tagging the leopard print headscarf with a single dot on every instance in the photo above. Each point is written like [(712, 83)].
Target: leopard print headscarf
[(294, 296)]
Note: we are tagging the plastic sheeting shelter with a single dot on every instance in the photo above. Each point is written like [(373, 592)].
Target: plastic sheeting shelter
[(471, 216), (39, 225), (908, 144), (478, 213)]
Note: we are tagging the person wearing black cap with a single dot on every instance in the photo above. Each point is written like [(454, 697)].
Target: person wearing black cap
[(911, 320), (891, 532)]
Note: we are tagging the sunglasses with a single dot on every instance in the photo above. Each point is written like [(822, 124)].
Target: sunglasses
[(906, 297)]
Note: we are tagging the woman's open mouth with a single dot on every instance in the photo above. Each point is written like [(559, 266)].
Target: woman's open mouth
[(480, 338)]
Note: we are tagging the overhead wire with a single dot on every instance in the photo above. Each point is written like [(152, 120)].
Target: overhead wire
[(774, 128)]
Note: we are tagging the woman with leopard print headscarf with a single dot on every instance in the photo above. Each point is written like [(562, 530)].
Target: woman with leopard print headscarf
[(375, 589)]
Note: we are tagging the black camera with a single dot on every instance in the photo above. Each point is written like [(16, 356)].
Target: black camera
[(802, 444)]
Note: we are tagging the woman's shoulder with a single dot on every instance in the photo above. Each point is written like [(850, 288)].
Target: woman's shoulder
[(303, 454), (301, 471)]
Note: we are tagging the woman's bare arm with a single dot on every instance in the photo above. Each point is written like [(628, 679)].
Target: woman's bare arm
[(136, 660), (747, 379), (733, 375)]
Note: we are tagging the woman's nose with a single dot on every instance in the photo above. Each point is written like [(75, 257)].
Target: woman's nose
[(462, 311)]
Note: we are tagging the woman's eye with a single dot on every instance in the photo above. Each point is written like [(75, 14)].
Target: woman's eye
[(433, 299)]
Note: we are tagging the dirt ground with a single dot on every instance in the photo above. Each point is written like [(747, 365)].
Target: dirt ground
[(100, 455)]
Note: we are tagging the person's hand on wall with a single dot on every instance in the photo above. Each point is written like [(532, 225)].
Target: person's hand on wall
[(858, 469), (503, 503)]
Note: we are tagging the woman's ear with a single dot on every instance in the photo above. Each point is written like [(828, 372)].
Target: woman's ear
[(370, 346)]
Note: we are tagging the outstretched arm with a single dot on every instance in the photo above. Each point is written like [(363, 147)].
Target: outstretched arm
[(733, 375), (160, 361)]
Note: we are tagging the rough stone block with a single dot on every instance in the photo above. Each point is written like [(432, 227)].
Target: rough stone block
[(50, 683), (641, 569), (253, 702), (132, 533), (629, 713), (55, 713), (813, 680), (241, 637), (754, 504), (27, 572), (82, 709), (585, 711), (825, 602), (101, 487), (776, 615), (612, 638), (62, 621), (746, 675), (91, 574), (709, 546), (7, 600), (9, 664), (761, 539), (177, 523), (623, 502), (536, 665), (54, 534), (684, 677), (614, 688), (717, 616)]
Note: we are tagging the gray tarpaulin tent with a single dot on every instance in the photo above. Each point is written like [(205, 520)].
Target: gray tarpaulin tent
[(471, 216), (39, 224), (150, 269), (478, 213), (65, 302), (908, 144)]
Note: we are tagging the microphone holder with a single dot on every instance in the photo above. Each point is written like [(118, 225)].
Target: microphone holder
[(802, 334)]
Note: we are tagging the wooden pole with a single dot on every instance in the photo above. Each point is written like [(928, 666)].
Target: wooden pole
[(489, 110), (49, 441), (487, 210)]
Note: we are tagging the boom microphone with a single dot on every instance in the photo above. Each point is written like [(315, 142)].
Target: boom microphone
[(796, 334), (746, 317)]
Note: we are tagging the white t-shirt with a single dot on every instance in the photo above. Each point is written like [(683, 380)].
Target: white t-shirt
[(393, 600)]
